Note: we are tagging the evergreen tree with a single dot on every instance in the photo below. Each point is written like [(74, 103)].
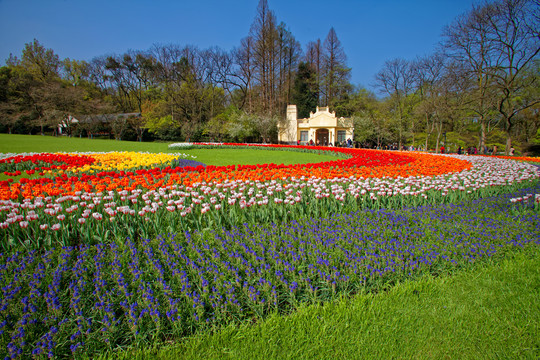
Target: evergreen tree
[(305, 94)]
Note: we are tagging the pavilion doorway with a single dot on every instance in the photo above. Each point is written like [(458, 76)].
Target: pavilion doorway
[(322, 137)]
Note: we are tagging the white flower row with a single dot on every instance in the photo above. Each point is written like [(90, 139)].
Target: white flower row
[(526, 198), (180, 145)]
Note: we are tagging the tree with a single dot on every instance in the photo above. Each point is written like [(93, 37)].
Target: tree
[(304, 93), (497, 43), (221, 73), (131, 76), (32, 83), (528, 121), (336, 72), (245, 73), (314, 57), (189, 88), (396, 79), (15, 100), (241, 126), (371, 123), (170, 73), (118, 125), (466, 41), (266, 127), (34, 92), (436, 89), (55, 102), (137, 123), (354, 102), (513, 34), (218, 128), (289, 52), (264, 33), (75, 71), (43, 63)]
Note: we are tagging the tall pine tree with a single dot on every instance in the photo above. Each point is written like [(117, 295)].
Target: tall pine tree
[(305, 94)]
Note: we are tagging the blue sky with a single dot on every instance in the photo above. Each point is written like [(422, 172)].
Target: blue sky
[(371, 31)]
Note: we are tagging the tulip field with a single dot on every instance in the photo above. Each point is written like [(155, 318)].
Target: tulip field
[(102, 252)]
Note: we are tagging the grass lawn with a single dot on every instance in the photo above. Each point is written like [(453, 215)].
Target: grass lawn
[(488, 311), (38, 143)]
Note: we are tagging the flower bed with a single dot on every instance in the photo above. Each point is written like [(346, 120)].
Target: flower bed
[(68, 210), (59, 163), (156, 251)]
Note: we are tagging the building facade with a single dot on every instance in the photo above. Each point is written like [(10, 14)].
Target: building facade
[(321, 128)]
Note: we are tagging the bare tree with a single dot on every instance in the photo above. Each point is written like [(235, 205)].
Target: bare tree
[(336, 72), (429, 72), (98, 74), (222, 71), (263, 31), (513, 34), (132, 73), (289, 51), (170, 73), (246, 69), (396, 79), (467, 42)]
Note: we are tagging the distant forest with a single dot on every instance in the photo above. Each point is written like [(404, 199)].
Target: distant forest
[(480, 87)]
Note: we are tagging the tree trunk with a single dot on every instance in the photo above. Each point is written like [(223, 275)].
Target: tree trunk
[(428, 133), (400, 135), (509, 125), (439, 132), (508, 144), (482, 139)]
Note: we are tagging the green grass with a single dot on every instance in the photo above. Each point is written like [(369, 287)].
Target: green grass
[(485, 312), (38, 143)]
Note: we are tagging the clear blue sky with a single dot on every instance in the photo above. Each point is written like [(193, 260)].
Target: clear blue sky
[(371, 31)]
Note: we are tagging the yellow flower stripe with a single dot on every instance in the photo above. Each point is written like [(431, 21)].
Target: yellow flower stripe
[(125, 160)]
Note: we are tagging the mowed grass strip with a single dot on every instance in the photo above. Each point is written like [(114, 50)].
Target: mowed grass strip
[(488, 311), (218, 157), (12, 143)]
